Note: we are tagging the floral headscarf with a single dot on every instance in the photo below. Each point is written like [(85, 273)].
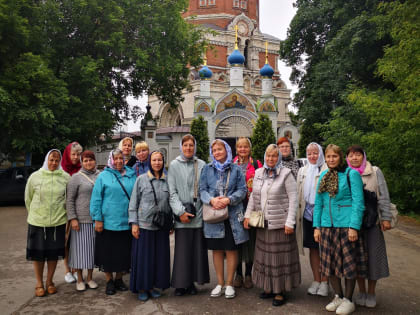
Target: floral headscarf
[(111, 163), (221, 166)]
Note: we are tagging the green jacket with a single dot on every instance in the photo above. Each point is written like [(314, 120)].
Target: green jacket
[(45, 198)]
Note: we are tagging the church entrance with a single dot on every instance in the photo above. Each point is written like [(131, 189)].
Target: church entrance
[(232, 143)]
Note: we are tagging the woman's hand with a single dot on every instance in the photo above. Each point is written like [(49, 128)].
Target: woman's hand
[(185, 218), (219, 202), (246, 223), (288, 230), (75, 224), (135, 231), (99, 226), (317, 235), (353, 235), (385, 225)]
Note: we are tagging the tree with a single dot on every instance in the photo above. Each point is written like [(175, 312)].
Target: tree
[(200, 133), (262, 136), (66, 67)]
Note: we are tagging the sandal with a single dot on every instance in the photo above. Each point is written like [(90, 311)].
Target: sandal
[(51, 289), (39, 291)]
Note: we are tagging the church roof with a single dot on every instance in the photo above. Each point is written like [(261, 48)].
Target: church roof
[(268, 36), (205, 73), (236, 58), (267, 71)]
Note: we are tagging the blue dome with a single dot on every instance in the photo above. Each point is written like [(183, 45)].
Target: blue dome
[(236, 58), (205, 73), (267, 71)]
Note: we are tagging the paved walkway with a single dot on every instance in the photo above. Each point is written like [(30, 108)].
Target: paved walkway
[(399, 294)]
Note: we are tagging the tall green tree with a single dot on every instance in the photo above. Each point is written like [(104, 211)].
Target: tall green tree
[(201, 135), (262, 136), (66, 67)]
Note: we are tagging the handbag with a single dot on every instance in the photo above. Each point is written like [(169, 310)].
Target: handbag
[(161, 219), (211, 215), (188, 206), (256, 218)]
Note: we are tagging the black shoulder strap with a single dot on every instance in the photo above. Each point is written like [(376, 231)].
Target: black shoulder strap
[(255, 163), (154, 192), (348, 181), (122, 186)]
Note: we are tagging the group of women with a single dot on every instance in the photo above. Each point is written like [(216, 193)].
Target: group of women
[(115, 219)]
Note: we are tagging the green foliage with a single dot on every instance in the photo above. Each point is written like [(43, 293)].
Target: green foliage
[(262, 136), (200, 133)]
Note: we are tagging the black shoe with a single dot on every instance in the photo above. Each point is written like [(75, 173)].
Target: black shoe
[(179, 291), (264, 295), (192, 290), (110, 288), (279, 302), (120, 285)]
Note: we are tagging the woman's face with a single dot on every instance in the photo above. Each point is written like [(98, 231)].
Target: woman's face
[(312, 154), (188, 148), (53, 161), (243, 150), (285, 149), (332, 159), (156, 161), (126, 147), (142, 154), (271, 158), (88, 163), (355, 159), (74, 157), (118, 162), (219, 152)]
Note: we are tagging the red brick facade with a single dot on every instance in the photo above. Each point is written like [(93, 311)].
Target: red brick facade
[(217, 56)]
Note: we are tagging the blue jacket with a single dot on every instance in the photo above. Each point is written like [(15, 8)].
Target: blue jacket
[(345, 209), (109, 203), (236, 193)]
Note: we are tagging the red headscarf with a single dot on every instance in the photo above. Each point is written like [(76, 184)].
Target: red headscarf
[(66, 163)]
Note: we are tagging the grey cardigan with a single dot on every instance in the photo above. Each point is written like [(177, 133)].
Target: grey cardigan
[(181, 189), (281, 201), (79, 191)]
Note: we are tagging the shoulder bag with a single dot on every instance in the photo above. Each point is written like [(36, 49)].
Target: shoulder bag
[(211, 215), (257, 217), (188, 206)]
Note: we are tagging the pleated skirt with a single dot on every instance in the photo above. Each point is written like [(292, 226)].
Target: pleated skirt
[(150, 261), (376, 251), (113, 251), (191, 262), (82, 247), (45, 243), (276, 262)]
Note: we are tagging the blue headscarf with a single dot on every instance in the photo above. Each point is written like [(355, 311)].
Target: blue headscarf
[(180, 147), (219, 166), (279, 162)]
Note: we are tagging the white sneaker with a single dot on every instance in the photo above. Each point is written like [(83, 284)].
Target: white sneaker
[(370, 300), (92, 284), (323, 289), (69, 278), (229, 292), (80, 286), (334, 304), (346, 307), (313, 289), (360, 299), (217, 291)]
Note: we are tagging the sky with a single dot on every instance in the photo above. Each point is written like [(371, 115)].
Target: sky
[(275, 17)]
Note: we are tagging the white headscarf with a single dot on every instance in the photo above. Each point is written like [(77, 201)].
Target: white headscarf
[(313, 170), (45, 165)]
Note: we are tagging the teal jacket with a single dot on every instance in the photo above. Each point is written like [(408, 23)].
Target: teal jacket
[(109, 203), (344, 210)]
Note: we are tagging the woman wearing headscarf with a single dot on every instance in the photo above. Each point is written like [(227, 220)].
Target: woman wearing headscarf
[(373, 181), (337, 218), (142, 155), (150, 262), (219, 192), (307, 179), (190, 258), (109, 209), (82, 241), (45, 199), (276, 262), (126, 146), (287, 159), (248, 166)]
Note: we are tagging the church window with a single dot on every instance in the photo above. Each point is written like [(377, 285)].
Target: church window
[(212, 2), (246, 53), (243, 4), (203, 3), (236, 3)]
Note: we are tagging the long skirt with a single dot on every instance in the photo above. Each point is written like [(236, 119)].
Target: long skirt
[(82, 247), (150, 261), (376, 250), (339, 256), (113, 251), (276, 262), (191, 262), (45, 243)]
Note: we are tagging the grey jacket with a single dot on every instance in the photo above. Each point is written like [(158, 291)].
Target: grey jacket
[(181, 189), (79, 191), (142, 205), (281, 201)]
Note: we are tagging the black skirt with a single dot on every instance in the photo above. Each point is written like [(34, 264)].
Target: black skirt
[(113, 251), (308, 235), (191, 262), (226, 243), (45, 243)]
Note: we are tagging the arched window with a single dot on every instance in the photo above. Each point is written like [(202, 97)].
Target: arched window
[(246, 53)]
